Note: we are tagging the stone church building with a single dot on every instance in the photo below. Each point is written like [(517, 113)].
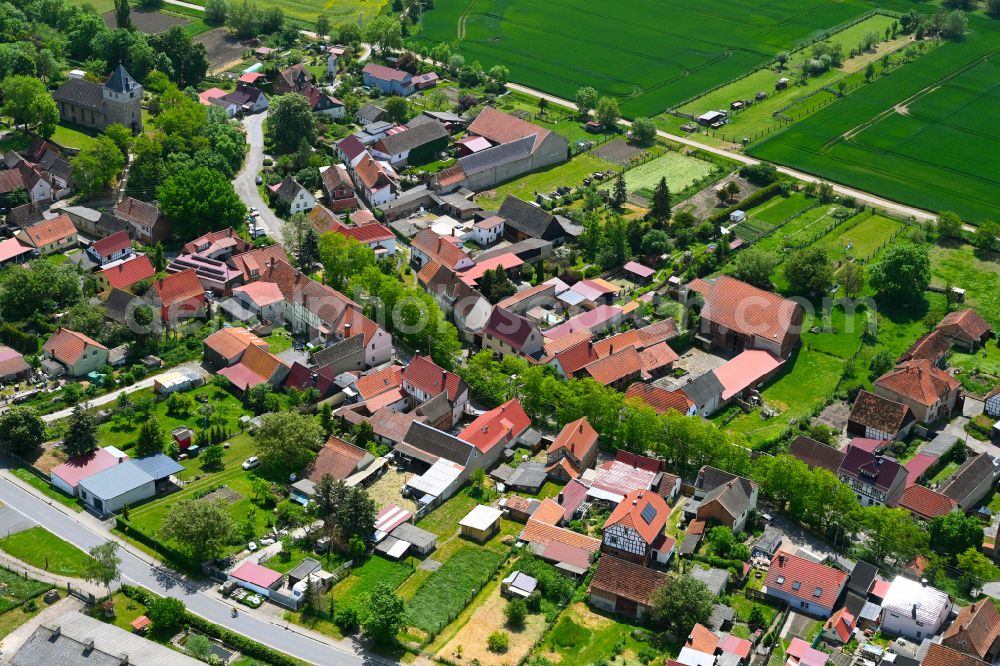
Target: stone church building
[(118, 100)]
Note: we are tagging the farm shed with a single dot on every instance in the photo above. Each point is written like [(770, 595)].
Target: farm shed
[(481, 523), (256, 578)]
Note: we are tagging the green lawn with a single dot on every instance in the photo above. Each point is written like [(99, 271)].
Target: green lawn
[(280, 340), (944, 473), (72, 137), (46, 489), (973, 270), (15, 589), (227, 411), (18, 141), (583, 636), (372, 573), (865, 238), (449, 589), (840, 332), (811, 379), (679, 170), (569, 174), (443, 520), (42, 549)]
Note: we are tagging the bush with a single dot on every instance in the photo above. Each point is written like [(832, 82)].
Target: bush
[(498, 641), (516, 612), (347, 619)]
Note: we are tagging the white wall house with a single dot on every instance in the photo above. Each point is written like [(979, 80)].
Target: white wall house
[(914, 610)]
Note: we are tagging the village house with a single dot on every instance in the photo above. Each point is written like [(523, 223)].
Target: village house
[(256, 366), (724, 497), (289, 193), (428, 246), (376, 181), (816, 454), (423, 379), (914, 610), (73, 354), (875, 479), (56, 234), (28, 177), (263, 299), (376, 236), (660, 400), (13, 367), (965, 329), (338, 187), (933, 347), (807, 586), (517, 147), (413, 146), (523, 220), (975, 631), (738, 316), (634, 530), (926, 504), (322, 103), (387, 79), (125, 274), (496, 430), (149, 225), (220, 245), (929, 392), (225, 347), (508, 333), (295, 78), (619, 586), (178, 296), (971, 482), (488, 231), (573, 451), (115, 247), (878, 417)]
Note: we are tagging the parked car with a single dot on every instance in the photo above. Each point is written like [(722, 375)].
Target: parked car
[(251, 462), (252, 546)]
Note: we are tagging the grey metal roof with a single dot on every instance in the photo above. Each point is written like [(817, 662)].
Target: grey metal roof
[(120, 81), (422, 539), (438, 443), (496, 156), (414, 137), (305, 567), (371, 113), (769, 540), (715, 579), (116, 481), (529, 475), (159, 466)]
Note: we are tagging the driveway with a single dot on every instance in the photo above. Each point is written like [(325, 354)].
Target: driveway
[(113, 395), (245, 182), (85, 532)]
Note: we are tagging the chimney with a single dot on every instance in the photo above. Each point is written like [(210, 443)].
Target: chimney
[(913, 611), (88, 645), (347, 330), (581, 427), (611, 349), (56, 631), (781, 559), (124, 659)]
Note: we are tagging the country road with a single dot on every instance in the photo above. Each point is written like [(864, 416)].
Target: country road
[(245, 182), (84, 531), (843, 190)]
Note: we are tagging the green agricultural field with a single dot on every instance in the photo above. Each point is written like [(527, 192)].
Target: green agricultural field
[(44, 550), (927, 134), (305, 12), (679, 170), (975, 271), (569, 173), (650, 54)]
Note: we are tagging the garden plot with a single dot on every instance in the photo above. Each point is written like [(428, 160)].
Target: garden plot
[(489, 617), (679, 170)]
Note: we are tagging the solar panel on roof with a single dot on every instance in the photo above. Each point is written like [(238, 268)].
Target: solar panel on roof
[(649, 513)]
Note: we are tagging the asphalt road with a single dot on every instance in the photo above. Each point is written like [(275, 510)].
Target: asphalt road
[(200, 598), (245, 182)]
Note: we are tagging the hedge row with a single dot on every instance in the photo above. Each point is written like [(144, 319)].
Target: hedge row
[(182, 560), (755, 199), (246, 646)]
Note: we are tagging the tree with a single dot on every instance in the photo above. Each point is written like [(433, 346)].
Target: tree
[(386, 615), (198, 646), (586, 100), (322, 25), (285, 439), (364, 434), (499, 76), (261, 491), (28, 102), (760, 173), (123, 15), (949, 224), (851, 277), (22, 430), (498, 642), (870, 72), (397, 109), (151, 439), (202, 526), (290, 122), (105, 565), (81, 432), (987, 236), (97, 165), (343, 257), (619, 195), (881, 363), (993, 8), (120, 135), (755, 266), (188, 58), (643, 130), (211, 458), (308, 253), (167, 614), (782, 58), (976, 569), (891, 534), (607, 112), (902, 273), (215, 12), (681, 603), (659, 205), (955, 26), (809, 271), (655, 242), (200, 200), (384, 33), (955, 533)]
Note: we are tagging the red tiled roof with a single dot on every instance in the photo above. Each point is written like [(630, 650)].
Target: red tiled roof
[(127, 273), (438, 248), (543, 534), (555, 346), (615, 367), (579, 437), (632, 512), (549, 512), (880, 413), (179, 287), (746, 309), (975, 629), (942, 655), (231, 342), (736, 645), (702, 639), (116, 242), (841, 622), (917, 465), (385, 379), (254, 262), (67, 346), (384, 73), (745, 370), (337, 458), (965, 322), (261, 362), (500, 425), (500, 127), (804, 579), (11, 248), (932, 347), (659, 399), (367, 233), (579, 355), (429, 377), (12, 362), (629, 581), (50, 231), (371, 173), (926, 503), (920, 380), (261, 293)]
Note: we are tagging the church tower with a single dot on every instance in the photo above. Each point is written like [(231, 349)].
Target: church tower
[(123, 100)]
